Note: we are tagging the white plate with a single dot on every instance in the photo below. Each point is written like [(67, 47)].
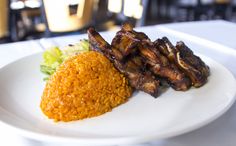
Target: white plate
[(141, 119)]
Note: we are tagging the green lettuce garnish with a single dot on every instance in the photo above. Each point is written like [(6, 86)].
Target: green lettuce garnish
[(54, 56), (82, 46)]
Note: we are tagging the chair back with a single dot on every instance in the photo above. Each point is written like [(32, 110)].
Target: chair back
[(59, 18)]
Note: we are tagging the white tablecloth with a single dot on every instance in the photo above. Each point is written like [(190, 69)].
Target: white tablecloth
[(215, 39)]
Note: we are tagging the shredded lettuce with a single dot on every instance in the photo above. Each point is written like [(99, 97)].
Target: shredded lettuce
[(82, 46), (53, 57)]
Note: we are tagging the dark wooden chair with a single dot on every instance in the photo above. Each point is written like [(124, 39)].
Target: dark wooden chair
[(185, 10), (222, 9)]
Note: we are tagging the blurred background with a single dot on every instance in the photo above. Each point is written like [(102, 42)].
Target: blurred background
[(33, 19)]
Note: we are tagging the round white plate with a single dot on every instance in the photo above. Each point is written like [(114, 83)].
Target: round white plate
[(141, 119)]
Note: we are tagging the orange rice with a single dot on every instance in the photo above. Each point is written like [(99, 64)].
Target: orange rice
[(84, 86)]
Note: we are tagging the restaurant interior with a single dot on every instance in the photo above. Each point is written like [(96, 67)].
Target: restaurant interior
[(34, 19)]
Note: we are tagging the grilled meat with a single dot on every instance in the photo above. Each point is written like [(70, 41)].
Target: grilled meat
[(193, 66), (132, 68), (131, 43), (145, 63), (184, 58)]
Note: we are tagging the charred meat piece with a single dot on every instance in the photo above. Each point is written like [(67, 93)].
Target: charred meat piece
[(166, 48), (131, 43), (184, 58), (145, 63), (161, 67), (194, 67), (126, 40), (132, 68)]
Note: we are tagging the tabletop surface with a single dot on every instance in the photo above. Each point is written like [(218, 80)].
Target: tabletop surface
[(217, 36)]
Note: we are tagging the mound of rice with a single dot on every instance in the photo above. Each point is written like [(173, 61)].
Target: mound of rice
[(84, 86)]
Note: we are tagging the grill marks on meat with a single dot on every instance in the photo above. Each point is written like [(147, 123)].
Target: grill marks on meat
[(132, 68), (144, 62), (184, 58), (133, 43)]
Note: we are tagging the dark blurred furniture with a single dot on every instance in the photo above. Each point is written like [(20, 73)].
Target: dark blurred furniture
[(204, 10), (195, 10), (222, 9), (24, 19), (134, 11)]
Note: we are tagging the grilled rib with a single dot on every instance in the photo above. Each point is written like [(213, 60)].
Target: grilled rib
[(131, 43), (145, 63), (132, 68), (185, 59)]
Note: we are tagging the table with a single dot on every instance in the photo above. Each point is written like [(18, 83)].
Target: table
[(212, 38)]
